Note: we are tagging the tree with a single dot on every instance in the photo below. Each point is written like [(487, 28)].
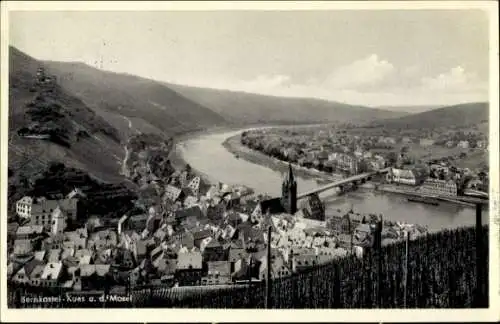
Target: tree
[(362, 166), (392, 158), (56, 167), (442, 175)]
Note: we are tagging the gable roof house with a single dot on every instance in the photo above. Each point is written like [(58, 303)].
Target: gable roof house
[(36, 274), (214, 251), (200, 236), (23, 275), (189, 268), (94, 276), (182, 214), (190, 201), (22, 247), (28, 231), (402, 176), (219, 272), (103, 240), (78, 238), (164, 265), (51, 274), (54, 255)]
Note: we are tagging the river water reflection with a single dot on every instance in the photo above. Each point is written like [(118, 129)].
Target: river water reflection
[(206, 154)]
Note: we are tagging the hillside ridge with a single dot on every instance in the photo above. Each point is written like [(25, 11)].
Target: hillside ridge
[(450, 116), (48, 125), (249, 108)]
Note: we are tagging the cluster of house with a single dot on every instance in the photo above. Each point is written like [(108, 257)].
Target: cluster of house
[(200, 237), (327, 153), (439, 179), (334, 152)]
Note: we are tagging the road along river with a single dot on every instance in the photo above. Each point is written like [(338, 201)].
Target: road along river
[(206, 154)]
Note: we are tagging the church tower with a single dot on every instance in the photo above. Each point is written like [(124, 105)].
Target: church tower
[(58, 221), (289, 192)]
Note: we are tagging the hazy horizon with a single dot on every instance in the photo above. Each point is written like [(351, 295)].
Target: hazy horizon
[(432, 58)]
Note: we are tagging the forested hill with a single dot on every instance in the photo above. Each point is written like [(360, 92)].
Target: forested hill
[(248, 108), (457, 115)]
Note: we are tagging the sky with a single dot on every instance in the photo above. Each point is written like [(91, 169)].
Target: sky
[(373, 58)]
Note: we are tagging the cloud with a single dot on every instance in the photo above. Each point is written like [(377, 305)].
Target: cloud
[(365, 72), (370, 82), (455, 80), (410, 71)]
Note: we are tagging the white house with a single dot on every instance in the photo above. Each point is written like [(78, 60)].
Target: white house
[(401, 176), (463, 144), (51, 274)]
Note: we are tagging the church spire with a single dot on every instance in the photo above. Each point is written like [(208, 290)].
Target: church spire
[(290, 178), (289, 192)]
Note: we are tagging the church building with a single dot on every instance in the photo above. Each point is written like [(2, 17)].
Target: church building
[(287, 203)]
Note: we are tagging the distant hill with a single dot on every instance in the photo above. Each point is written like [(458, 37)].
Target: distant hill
[(90, 114), (246, 108), (410, 109), (126, 100), (78, 136), (164, 108), (457, 115)]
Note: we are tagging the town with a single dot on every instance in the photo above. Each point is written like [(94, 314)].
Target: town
[(183, 231), (248, 160), (334, 151), (195, 237)]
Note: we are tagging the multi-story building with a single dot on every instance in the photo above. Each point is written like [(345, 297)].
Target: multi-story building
[(402, 176), (347, 162), (439, 187), (463, 144), (426, 142), (314, 208), (189, 268), (40, 210), (219, 273), (51, 274)]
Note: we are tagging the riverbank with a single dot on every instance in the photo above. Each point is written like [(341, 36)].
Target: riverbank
[(412, 193), (233, 145), (206, 155), (185, 136)]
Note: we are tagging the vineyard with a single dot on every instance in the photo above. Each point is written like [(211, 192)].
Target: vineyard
[(441, 274)]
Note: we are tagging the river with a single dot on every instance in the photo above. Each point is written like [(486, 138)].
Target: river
[(206, 154)]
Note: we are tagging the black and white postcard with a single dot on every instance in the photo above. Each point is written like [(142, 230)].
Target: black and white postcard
[(236, 161)]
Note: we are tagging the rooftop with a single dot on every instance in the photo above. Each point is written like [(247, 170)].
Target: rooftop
[(52, 271)]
